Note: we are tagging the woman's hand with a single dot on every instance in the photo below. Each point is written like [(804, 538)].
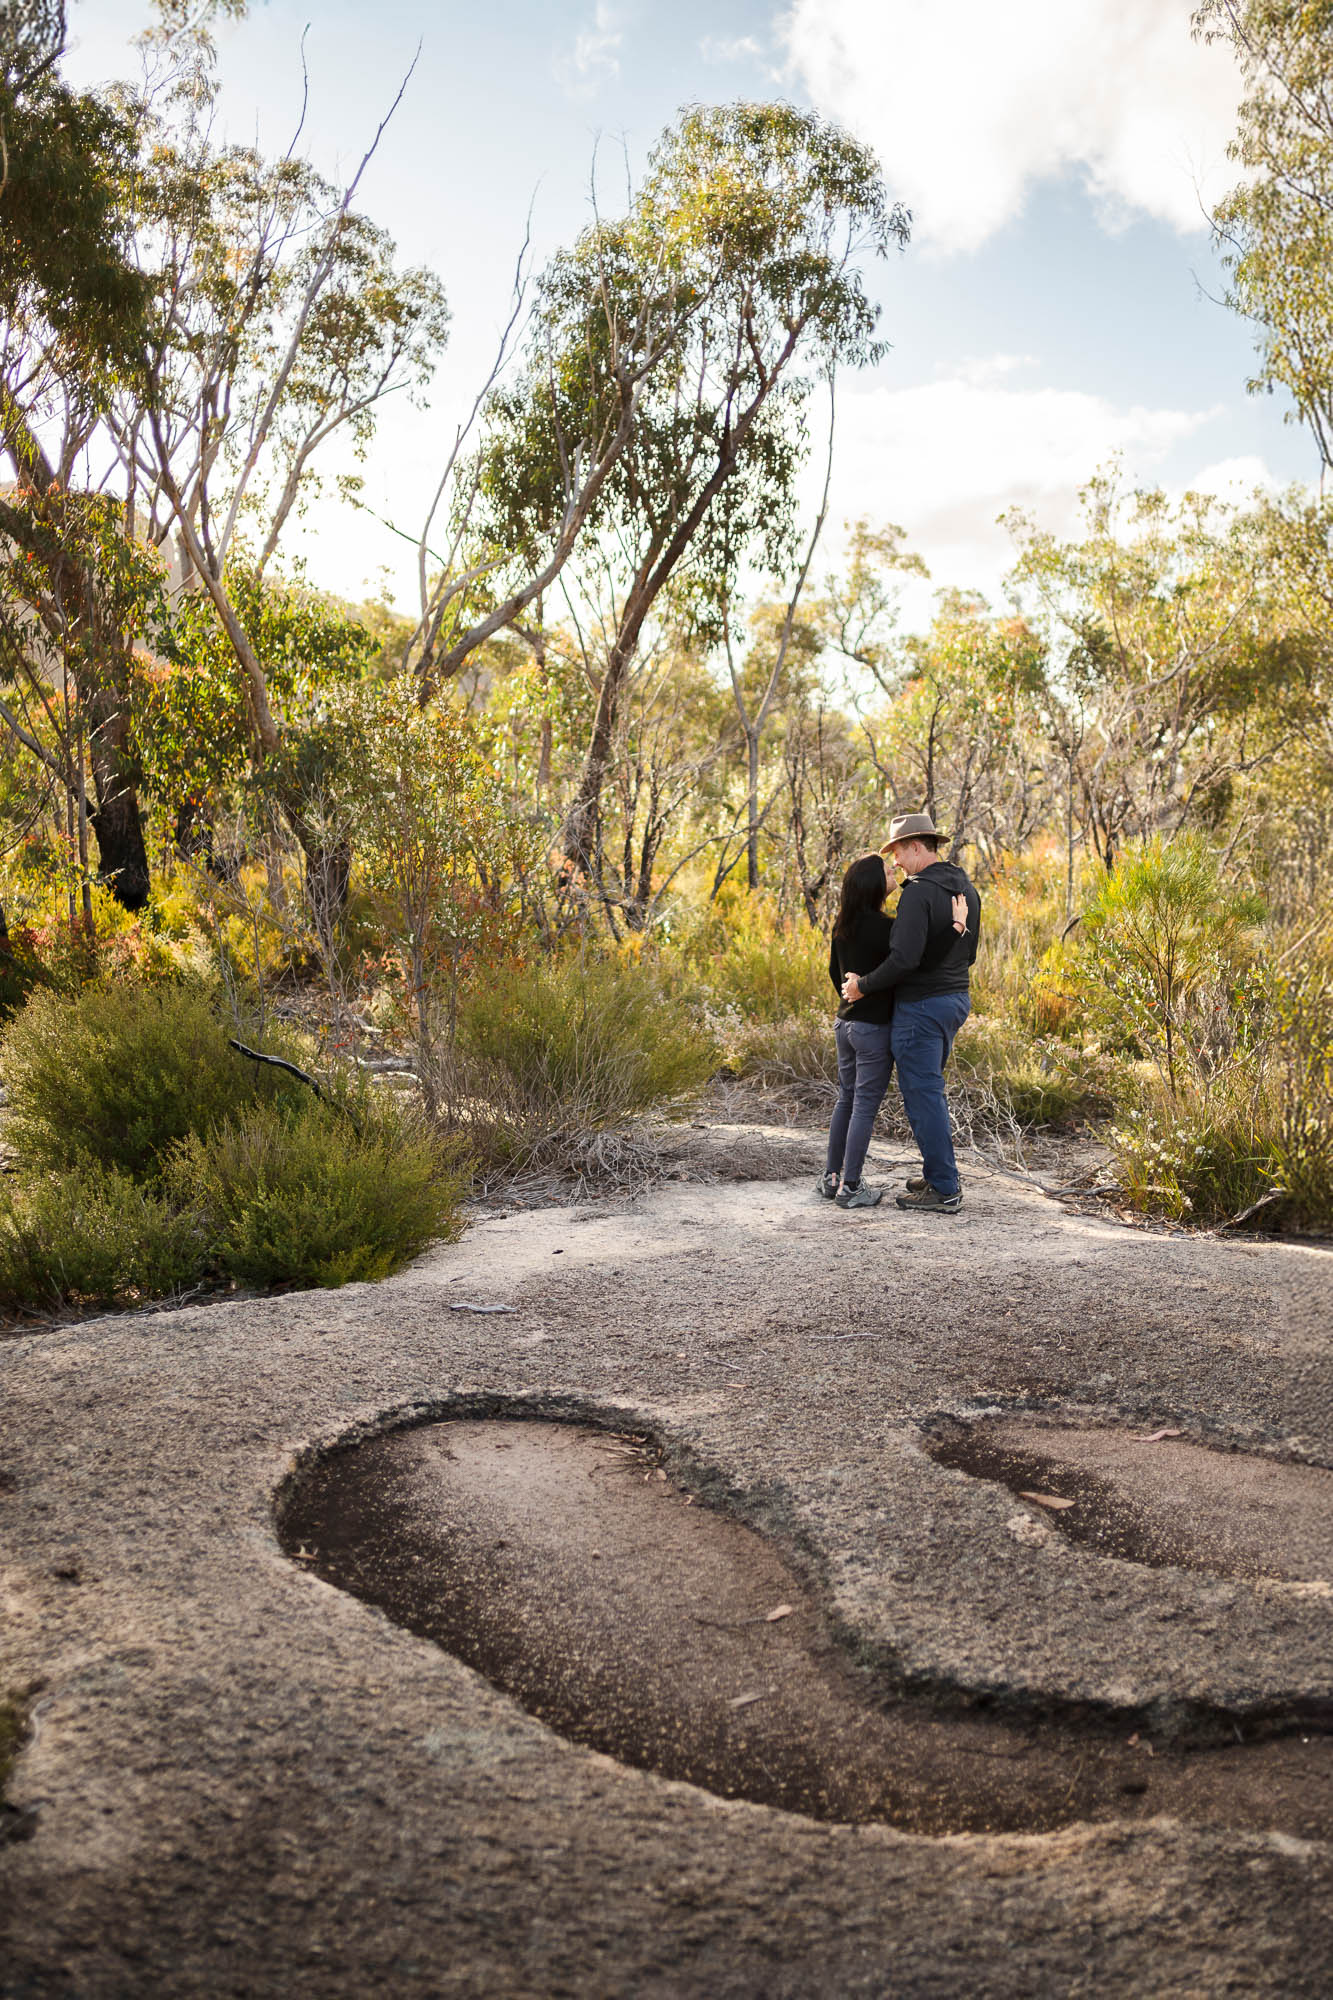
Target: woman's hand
[(960, 914)]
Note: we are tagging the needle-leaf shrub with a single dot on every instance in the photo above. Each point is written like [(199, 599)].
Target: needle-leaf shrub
[(1250, 1129), (95, 1235), (151, 1156), (119, 1073), (318, 1194)]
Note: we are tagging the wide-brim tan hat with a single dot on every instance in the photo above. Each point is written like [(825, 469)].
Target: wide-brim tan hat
[(912, 826)]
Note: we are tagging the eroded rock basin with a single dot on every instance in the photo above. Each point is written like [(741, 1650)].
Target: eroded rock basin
[(563, 1564), (1159, 1498)]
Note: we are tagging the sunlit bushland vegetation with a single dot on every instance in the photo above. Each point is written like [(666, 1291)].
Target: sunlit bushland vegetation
[(559, 844)]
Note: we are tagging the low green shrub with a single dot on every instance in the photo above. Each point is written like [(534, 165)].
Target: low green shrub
[(771, 975), (1162, 952), (119, 1073), (1193, 1160), (93, 1234), (543, 1058), (21, 970), (153, 1155), (318, 1194), (740, 952)]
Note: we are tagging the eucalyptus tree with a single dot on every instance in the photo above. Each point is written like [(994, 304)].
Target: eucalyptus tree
[(1172, 676), (1275, 228), (671, 361), (279, 320), (32, 40)]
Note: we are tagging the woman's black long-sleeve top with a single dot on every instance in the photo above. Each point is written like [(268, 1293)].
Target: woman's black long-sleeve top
[(867, 947)]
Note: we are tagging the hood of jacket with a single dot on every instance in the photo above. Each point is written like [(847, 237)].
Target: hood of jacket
[(946, 875)]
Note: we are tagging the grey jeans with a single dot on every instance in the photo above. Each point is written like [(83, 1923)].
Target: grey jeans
[(865, 1064)]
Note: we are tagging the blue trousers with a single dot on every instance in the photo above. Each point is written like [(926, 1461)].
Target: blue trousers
[(865, 1064), (923, 1032)]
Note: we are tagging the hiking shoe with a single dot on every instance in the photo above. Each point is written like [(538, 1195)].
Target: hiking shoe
[(930, 1201), (859, 1196), (827, 1185), (918, 1184)]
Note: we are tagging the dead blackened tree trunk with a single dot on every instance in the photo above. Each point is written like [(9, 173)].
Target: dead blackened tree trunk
[(117, 825), (76, 590)]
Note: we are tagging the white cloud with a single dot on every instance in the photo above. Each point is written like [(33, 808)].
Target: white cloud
[(971, 105), (982, 371), (740, 48), (1236, 480), (595, 56), (946, 458)]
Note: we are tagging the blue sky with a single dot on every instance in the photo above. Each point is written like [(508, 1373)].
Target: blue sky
[(1051, 310)]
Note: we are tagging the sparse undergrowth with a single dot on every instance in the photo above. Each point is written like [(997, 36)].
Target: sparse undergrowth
[(549, 1066)]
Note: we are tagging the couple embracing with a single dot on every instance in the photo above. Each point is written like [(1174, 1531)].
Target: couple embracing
[(904, 988)]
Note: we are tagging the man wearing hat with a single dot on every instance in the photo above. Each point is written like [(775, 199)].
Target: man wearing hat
[(927, 970)]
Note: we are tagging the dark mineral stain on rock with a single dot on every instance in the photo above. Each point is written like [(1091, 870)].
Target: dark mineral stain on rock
[(564, 1566)]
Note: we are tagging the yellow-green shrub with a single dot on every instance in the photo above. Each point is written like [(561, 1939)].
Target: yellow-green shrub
[(93, 1234), (119, 1073), (309, 1193)]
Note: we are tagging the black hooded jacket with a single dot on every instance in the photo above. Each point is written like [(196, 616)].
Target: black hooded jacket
[(927, 954)]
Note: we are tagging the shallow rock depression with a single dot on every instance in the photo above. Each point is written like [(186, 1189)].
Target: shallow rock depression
[(1159, 1498), (564, 1565)]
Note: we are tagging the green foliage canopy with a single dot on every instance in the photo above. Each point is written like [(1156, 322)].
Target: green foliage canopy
[(1276, 226)]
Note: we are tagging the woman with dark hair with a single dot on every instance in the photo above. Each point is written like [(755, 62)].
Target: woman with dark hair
[(861, 939)]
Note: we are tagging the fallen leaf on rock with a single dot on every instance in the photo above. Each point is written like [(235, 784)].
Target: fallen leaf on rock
[(779, 1611), (1046, 1499), (1157, 1436), (467, 1306)]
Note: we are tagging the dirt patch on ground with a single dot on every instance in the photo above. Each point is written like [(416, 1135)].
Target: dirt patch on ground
[(1159, 1498), (564, 1565)]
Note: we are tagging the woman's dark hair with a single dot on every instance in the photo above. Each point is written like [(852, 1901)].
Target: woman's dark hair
[(864, 887)]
